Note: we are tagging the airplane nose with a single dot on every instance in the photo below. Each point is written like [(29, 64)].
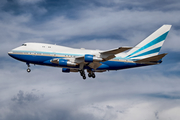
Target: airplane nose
[(10, 53)]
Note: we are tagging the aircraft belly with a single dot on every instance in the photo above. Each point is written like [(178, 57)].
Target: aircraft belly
[(115, 65), (31, 58), (45, 60)]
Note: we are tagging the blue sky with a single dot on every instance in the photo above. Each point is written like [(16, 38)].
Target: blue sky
[(46, 93)]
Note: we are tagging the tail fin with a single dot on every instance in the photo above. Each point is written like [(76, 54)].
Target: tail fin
[(151, 45)]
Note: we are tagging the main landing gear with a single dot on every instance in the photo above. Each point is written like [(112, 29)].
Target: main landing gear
[(82, 73), (28, 70), (90, 74)]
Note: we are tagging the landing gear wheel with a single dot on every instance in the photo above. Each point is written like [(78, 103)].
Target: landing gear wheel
[(81, 72), (93, 75), (84, 77), (28, 70), (89, 75)]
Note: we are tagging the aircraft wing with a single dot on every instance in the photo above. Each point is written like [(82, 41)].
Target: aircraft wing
[(116, 51), (107, 55), (96, 59), (93, 60)]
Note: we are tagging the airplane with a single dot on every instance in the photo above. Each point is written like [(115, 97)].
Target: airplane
[(78, 60)]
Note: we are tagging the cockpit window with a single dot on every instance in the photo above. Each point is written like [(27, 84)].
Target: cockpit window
[(24, 45)]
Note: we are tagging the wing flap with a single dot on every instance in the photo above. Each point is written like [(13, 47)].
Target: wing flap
[(95, 65)]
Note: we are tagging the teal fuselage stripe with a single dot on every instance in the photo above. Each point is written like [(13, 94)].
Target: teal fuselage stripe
[(155, 41), (149, 52)]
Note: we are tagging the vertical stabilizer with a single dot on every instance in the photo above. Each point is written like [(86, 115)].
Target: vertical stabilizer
[(151, 45)]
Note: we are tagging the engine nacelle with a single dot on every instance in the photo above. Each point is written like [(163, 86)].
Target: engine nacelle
[(63, 62), (67, 70), (88, 58), (91, 58)]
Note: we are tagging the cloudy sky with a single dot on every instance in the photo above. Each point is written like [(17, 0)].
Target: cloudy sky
[(147, 93)]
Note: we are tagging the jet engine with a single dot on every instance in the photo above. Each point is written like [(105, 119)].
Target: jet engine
[(63, 62), (67, 70), (91, 58)]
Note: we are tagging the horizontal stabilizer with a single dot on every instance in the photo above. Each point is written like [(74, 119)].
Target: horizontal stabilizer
[(155, 58)]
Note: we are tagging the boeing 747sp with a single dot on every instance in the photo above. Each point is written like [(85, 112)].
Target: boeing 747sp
[(78, 60)]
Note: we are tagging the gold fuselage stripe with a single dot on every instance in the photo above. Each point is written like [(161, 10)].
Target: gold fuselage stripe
[(64, 56)]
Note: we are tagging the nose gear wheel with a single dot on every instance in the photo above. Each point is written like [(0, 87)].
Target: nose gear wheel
[(28, 70)]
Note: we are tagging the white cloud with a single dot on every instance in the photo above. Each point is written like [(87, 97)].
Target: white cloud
[(173, 40), (128, 109), (22, 2), (132, 26), (142, 93), (127, 96)]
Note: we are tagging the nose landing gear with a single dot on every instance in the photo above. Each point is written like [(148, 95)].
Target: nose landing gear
[(28, 70)]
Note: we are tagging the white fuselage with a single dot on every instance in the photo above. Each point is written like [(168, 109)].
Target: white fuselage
[(57, 50)]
